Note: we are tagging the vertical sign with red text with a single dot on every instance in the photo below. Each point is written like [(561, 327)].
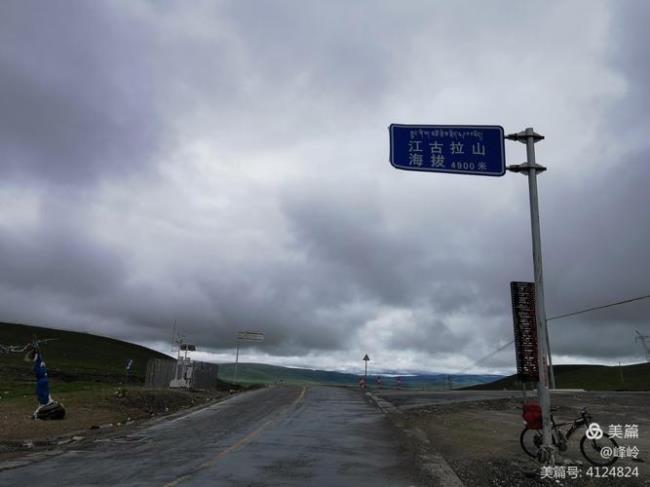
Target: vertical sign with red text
[(525, 325)]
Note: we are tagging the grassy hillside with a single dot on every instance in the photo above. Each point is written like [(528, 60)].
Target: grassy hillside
[(590, 377), (73, 356), (270, 374), (84, 358)]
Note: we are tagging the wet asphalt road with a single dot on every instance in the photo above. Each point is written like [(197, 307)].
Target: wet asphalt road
[(279, 436)]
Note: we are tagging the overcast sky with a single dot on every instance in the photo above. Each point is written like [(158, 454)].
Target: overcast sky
[(225, 164)]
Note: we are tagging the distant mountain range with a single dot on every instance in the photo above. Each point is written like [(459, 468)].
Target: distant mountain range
[(274, 374)]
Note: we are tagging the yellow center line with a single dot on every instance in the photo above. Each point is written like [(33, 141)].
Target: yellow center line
[(174, 483), (232, 448), (243, 441), (302, 394)]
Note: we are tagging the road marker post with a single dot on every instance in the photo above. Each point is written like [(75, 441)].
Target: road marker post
[(365, 373), (234, 372)]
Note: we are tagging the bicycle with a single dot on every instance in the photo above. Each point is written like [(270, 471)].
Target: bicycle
[(531, 440)]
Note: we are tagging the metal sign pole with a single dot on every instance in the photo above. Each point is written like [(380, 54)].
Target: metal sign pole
[(529, 137), (435, 148), (234, 375)]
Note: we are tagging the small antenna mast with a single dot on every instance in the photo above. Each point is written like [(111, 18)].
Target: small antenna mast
[(173, 336)]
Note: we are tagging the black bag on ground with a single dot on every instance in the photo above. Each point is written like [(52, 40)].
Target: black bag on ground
[(53, 410)]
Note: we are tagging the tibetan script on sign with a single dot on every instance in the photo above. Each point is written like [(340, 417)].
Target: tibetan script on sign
[(459, 149)]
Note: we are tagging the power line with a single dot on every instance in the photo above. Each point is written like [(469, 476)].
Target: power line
[(503, 347), (598, 307)]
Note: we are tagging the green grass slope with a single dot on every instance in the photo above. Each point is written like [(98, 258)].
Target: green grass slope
[(270, 374), (73, 356), (634, 377)]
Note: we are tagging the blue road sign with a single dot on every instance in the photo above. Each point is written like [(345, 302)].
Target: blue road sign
[(462, 149)]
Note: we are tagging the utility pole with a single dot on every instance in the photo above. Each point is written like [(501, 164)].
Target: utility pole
[(234, 374), (173, 336), (531, 168), (642, 338), (620, 371), (408, 151)]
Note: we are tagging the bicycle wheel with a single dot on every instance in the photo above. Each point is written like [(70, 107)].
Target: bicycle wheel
[(599, 452), (531, 441)]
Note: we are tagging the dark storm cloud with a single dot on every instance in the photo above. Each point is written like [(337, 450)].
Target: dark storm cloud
[(429, 335), (627, 52), (349, 234), (611, 341), (605, 239), (58, 255), (334, 49), (234, 160), (404, 245), (77, 93), (598, 229)]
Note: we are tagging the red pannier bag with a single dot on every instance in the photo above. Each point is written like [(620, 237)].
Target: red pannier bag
[(533, 416)]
